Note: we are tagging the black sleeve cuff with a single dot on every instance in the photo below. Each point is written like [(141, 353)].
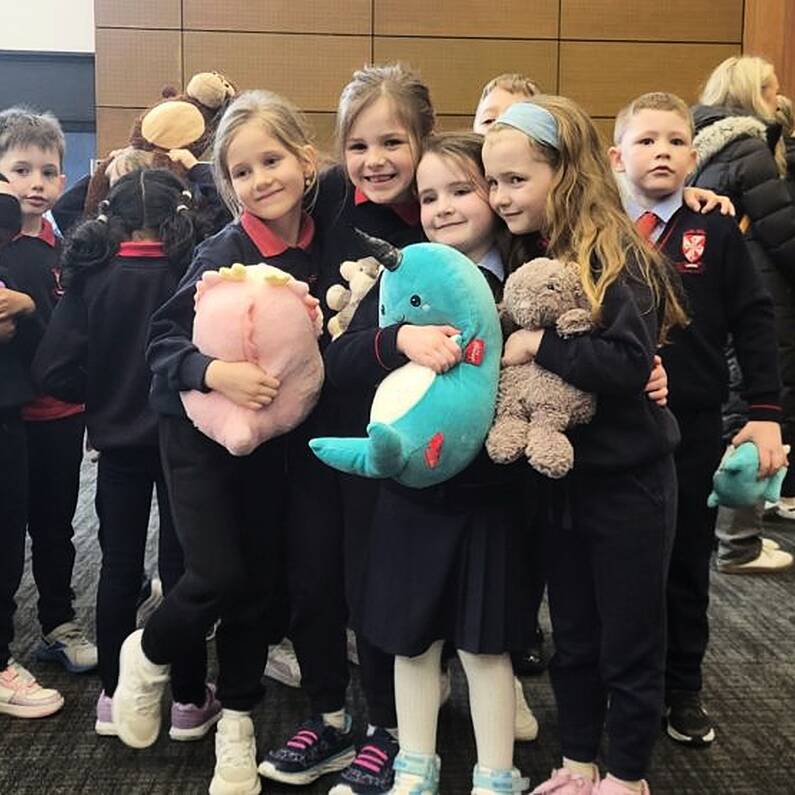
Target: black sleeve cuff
[(386, 350), (192, 370)]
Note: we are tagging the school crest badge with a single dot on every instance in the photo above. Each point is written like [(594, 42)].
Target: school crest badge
[(693, 243)]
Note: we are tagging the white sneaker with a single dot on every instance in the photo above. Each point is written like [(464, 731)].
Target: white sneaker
[(137, 708), (768, 561), (151, 603), (21, 696), (769, 543), (785, 509), (68, 645), (235, 757), (526, 725), (283, 665)]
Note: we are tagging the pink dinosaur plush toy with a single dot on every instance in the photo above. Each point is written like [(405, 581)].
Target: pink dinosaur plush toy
[(263, 315)]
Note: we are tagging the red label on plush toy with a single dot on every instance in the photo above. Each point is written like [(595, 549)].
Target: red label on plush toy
[(473, 353), (433, 451)]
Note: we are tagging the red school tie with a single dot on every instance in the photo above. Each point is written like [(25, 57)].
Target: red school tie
[(646, 224)]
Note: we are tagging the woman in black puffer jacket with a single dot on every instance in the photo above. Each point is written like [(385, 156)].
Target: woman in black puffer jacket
[(741, 154)]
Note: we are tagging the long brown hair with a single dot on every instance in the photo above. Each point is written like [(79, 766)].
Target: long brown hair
[(585, 221)]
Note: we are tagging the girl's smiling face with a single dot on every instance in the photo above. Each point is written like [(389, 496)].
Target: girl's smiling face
[(380, 154), (454, 209)]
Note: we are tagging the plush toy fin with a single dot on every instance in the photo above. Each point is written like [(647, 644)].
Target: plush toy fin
[(712, 500), (381, 455), (773, 490)]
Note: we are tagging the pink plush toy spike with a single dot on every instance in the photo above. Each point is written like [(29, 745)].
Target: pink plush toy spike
[(262, 315)]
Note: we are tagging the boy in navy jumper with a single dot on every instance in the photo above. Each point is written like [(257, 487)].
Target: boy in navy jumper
[(31, 157), (653, 150)]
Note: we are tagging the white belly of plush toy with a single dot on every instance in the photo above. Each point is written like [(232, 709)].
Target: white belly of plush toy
[(400, 391)]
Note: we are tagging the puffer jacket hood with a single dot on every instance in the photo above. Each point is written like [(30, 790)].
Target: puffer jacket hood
[(717, 126)]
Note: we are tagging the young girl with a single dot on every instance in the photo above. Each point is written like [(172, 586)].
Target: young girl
[(462, 542), (611, 520), (228, 510), (384, 115), (119, 269)]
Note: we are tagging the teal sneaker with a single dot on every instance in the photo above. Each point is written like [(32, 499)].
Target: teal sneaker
[(486, 780), (416, 774)]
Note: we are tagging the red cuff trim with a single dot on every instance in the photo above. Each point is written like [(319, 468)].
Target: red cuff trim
[(768, 406), (377, 348)]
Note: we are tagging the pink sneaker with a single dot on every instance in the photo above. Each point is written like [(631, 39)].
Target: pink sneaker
[(564, 782), (23, 697), (189, 722), (104, 723), (611, 786)]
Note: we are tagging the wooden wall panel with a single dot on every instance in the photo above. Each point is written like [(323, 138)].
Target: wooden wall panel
[(133, 66), (456, 69), (514, 19), (138, 14), (278, 16), (310, 70), (661, 20), (113, 127), (322, 125), (603, 76), (770, 32)]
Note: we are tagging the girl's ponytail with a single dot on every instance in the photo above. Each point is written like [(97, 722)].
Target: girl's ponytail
[(177, 232), (91, 245)]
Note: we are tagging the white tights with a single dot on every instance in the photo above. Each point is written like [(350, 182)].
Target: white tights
[(491, 699)]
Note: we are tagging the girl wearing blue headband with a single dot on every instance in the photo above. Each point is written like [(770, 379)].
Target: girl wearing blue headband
[(611, 520)]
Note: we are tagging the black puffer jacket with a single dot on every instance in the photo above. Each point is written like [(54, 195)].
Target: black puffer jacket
[(735, 158)]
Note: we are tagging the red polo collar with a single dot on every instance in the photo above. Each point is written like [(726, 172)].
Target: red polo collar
[(141, 248), (46, 233), (269, 243), (408, 212)]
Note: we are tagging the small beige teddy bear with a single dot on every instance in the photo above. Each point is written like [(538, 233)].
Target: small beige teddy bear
[(361, 275), (534, 406)]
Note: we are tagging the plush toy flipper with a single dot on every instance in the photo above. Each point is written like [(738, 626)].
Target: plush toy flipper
[(381, 455), (773, 491), (736, 483)]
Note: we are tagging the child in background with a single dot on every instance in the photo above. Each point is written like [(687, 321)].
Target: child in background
[(229, 511), (31, 157), (384, 115), (117, 270), (498, 94), (653, 148), (611, 520)]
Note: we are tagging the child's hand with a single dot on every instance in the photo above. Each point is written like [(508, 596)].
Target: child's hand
[(7, 330), (183, 157), (657, 386), (243, 383), (13, 303), (767, 438), (430, 346), (704, 200), (521, 347)]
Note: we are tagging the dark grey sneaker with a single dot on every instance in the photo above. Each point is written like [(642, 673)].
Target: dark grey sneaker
[(371, 771), (687, 721)]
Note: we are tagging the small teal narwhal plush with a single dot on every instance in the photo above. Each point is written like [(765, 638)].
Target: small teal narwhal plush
[(427, 427), (735, 484)]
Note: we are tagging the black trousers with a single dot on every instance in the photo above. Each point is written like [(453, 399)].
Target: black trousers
[(13, 519), (125, 480), (610, 537), (228, 513), (696, 459), (55, 450)]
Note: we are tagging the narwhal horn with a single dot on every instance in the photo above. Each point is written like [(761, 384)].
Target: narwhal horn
[(387, 254)]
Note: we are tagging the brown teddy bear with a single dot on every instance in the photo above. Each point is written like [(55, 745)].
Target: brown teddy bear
[(172, 134), (534, 406), (361, 275)]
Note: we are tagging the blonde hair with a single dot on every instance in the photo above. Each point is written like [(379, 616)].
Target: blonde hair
[(409, 95), (656, 100), (737, 82), (784, 115), (585, 221), (279, 118), (513, 83)]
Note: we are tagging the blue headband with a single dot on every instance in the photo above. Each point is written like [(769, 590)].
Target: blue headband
[(533, 120)]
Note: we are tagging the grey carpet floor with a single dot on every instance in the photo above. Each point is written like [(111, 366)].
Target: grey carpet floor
[(750, 691)]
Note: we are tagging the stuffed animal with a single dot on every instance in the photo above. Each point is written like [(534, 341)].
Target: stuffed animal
[(427, 427), (735, 483), (361, 275), (257, 314), (534, 406), (176, 122)]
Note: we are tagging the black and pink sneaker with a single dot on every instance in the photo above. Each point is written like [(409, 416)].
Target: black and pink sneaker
[(371, 771), (314, 750)]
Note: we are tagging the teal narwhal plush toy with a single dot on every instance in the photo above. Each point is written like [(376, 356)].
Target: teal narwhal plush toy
[(735, 484), (427, 427)]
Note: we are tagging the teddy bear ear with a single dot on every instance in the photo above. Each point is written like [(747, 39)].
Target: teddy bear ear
[(168, 92), (209, 89)]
